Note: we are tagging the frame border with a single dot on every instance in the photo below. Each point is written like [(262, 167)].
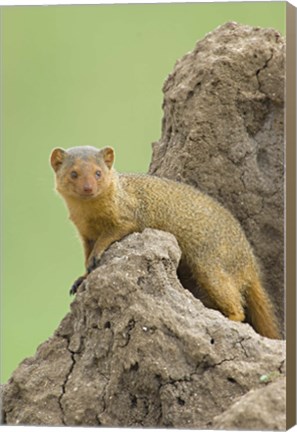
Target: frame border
[(290, 206)]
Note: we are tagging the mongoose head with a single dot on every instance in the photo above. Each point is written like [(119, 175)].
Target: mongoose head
[(82, 172)]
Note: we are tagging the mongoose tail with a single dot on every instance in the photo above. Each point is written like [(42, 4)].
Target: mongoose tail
[(261, 311)]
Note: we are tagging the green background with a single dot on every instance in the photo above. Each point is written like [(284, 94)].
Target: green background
[(76, 75)]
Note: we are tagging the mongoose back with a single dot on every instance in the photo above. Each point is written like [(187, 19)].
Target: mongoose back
[(106, 206)]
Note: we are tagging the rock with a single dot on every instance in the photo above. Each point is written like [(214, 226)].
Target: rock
[(137, 349), (223, 132), (261, 409), (32, 395)]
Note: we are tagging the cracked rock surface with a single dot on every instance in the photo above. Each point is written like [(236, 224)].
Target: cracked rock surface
[(137, 349), (223, 132)]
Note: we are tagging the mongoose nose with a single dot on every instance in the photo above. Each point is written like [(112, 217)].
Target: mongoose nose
[(88, 188)]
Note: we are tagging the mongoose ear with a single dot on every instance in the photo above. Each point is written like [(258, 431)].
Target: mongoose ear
[(108, 156), (57, 158)]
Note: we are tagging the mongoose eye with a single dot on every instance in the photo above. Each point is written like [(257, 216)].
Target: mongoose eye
[(73, 174), (98, 174)]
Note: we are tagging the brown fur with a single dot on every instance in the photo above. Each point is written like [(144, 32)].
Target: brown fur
[(106, 206)]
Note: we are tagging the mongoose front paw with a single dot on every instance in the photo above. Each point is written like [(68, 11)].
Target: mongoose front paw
[(76, 284)]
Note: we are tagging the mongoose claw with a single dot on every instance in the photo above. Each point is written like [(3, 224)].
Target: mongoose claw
[(76, 284)]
